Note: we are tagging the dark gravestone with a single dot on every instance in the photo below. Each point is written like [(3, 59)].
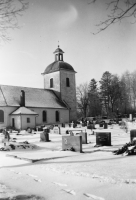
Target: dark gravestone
[(103, 139), (84, 137), (63, 125), (74, 142), (101, 125), (90, 126), (132, 134), (44, 136), (105, 126)]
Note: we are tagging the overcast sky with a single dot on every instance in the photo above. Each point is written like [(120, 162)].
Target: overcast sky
[(71, 22)]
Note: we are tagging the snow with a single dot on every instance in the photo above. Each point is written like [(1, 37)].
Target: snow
[(50, 173)]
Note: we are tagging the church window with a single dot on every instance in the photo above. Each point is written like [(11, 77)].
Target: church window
[(57, 116), (51, 83), (28, 120), (1, 116), (44, 116), (67, 82)]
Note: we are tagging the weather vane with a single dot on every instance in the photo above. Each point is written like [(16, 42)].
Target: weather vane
[(58, 43)]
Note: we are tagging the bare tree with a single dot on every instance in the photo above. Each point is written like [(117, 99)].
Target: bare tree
[(82, 98), (119, 9), (9, 12)]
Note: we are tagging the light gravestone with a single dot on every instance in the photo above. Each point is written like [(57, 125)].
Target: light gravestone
[(56, 130), (84, 137), (72, 142)]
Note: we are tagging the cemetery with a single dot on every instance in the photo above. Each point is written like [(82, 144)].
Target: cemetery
[(98, 157)]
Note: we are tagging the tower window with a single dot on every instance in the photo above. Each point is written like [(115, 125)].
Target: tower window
[(28, 120), (44, 116), (67, 82), (57, 116), (1, 116), (51, 83)]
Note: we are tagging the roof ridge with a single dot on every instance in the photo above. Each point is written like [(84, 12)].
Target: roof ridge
[(3, 95), (21, 86)]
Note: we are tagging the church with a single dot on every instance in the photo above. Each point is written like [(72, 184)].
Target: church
[(55, 103)]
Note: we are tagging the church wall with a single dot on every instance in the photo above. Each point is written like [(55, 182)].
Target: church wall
[(7, 111), (69, 93), (56, 81), (24, 124), (51, 119), (17, 121)]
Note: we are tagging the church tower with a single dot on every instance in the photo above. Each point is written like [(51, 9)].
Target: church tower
[(59, 76)]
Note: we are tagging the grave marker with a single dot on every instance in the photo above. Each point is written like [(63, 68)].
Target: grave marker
[(74, 142), (132, 134), (103, 138)]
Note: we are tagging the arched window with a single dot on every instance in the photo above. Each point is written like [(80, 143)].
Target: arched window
[(1, 116), (44, 116), (51, 83), (57, 116), (67, 82)]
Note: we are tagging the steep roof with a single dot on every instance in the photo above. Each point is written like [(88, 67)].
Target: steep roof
[(23, 111), (34, 97), (57, 66)]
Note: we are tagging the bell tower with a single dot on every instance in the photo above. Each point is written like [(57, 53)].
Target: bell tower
[(58, 54), (59, 76)]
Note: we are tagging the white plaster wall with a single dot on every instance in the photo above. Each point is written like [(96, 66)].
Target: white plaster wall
[(7, 112), (69, 93), (25, 125), (56, 81), (51, 118), (17, 121)]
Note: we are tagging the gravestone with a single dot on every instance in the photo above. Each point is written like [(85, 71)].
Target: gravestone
[(84, 137), (101, 124), (72, 142), (103, 138), (105, 126), (56, 130), (132, 134), (44, 136)]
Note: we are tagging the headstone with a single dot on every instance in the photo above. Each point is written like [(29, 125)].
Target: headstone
[(132, 134), (72, 142), (101, 124), (44, 136), (105, 126), (90, 126), (130, 117), (63, 125), (56, 130), (103, 138), (84, 137), (72, 124)]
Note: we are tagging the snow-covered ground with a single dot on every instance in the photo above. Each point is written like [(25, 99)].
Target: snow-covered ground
[(52, 174)]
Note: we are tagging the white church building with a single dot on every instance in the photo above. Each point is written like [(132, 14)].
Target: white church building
[(23, 107)]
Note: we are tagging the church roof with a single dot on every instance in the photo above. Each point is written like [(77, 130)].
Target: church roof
[(23, 111), (57, 66), (34, 97)]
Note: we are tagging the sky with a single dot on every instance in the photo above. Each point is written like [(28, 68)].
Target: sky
[(71, 22)]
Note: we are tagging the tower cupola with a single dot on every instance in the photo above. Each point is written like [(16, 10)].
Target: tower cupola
[(58, 54)]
